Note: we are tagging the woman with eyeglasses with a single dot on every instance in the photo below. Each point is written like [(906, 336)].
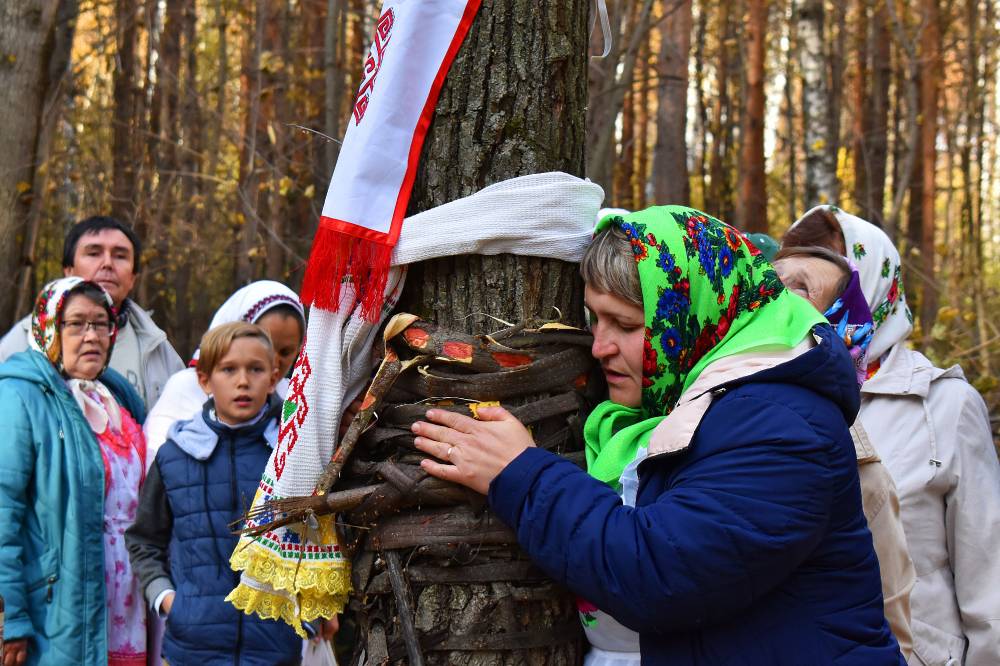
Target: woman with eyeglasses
[(72, 458)]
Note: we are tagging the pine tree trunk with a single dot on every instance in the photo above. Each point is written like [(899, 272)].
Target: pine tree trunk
[(670, 172), (929, 90), (753, 183), (877, 130), (862, 111), (513, 104)]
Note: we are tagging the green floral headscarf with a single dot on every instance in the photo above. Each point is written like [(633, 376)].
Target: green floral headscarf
[(707, 293)]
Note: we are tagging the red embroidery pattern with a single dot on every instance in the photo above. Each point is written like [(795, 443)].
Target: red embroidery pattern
[(293, 412), (266, 303), (383, 31)]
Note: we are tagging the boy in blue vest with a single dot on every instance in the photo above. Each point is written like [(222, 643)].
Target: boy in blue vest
[(202, 479)]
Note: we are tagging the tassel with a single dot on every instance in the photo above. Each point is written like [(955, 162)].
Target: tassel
[(336, 255)]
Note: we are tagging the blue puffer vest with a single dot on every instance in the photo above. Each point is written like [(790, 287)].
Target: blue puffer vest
[(209, 485)]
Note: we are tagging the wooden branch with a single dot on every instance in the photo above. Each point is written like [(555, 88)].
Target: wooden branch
[(403, 607)]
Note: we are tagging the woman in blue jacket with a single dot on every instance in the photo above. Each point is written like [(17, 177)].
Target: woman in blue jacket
[(72, 457), (721, 520)]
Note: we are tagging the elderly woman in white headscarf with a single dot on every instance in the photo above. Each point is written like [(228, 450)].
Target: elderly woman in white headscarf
[(932, 431), (269, 304)]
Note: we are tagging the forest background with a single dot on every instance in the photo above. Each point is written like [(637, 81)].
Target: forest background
[(212, 126)]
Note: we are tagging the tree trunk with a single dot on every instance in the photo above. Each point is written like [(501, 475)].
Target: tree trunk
[(821, 166), (55, 97), (719, 189), (670, 172), (835, 39), (193, 219), (333, 76), (28, 34), (862, 111), (789, 132), (643, 101), (513, 104), (929, 90), (624, 165), (753, 183), (699, 84), (610, 95), (124, 153), (249, 190), (876, 129)]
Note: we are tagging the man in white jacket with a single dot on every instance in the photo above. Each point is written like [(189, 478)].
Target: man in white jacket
[(933, 434), (108, 252)]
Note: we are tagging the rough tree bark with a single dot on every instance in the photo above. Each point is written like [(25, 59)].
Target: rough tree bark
[(821, 166), (29, 34), (670, 172), (513, 104), (56, 95), (753, 182)]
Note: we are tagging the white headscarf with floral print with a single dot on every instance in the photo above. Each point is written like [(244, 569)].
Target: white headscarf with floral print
[(880, 270)]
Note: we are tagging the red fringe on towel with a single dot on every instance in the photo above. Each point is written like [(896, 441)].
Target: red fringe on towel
[(337, 256)]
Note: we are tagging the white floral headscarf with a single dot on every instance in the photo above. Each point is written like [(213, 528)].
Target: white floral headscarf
[(880, 270)]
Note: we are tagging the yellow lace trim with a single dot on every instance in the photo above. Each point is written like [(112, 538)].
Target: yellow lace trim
[(329, 577), (270, 606), (301, 589)]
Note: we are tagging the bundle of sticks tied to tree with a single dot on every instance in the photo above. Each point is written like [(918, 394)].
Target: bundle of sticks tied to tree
[(437, 577)]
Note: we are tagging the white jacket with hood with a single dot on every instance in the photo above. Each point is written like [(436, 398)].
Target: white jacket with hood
[(932, 431)]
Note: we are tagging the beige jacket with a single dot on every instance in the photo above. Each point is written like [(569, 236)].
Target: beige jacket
[(933, 434), (881, 507)]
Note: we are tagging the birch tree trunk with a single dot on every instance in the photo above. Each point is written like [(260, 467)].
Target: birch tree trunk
[(670, 169), (821, 166)]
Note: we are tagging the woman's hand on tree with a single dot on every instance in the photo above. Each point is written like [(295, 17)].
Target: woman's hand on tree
[(15, 652), (477, 450)]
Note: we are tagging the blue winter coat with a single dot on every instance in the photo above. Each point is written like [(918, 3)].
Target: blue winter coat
[(750, 547), (210, 473), (52, 508)]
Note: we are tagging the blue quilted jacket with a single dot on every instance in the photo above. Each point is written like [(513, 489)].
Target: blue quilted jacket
[(749, 547), (210, 473), (52, 513)]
